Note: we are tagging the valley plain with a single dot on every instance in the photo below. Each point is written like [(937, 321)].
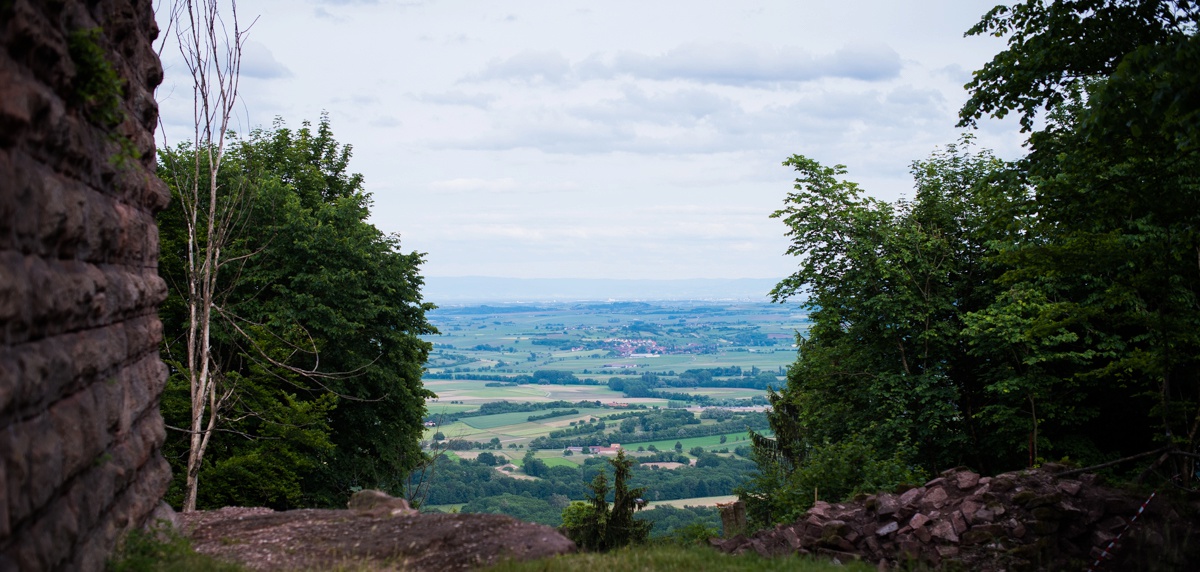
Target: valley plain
[(675, 384)]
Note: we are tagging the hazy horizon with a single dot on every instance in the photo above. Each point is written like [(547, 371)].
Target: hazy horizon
[(478, 289)]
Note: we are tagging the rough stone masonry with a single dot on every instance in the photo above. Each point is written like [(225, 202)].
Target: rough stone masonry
[(80, 375)]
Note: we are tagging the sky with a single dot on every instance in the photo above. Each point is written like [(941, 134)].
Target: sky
[(617, 139)]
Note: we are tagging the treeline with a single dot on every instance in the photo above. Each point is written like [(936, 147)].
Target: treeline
[(452, 481), (552, 415), (540, 377), (655, 425), (498, 407)]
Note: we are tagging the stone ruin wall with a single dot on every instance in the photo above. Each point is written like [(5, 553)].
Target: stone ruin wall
[(80, 375)]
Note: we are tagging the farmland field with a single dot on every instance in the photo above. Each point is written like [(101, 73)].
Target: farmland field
[(698, 501), (553, 383)]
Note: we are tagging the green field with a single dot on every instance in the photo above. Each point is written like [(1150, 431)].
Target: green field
[(707, 443), (698, 501), (701, 350)]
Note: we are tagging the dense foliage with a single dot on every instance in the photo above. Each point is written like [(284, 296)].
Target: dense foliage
[(1011, 311), (317, 341)]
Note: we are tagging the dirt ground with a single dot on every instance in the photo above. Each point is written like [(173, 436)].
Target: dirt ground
[(311, 539)]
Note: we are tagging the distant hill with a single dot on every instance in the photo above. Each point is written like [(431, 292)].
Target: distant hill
[(457, 289)]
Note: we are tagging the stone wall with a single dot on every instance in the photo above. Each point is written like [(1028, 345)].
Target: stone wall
[(80, 375)]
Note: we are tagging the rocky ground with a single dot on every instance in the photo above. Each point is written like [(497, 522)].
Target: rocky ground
[(1028, 520), (368, 537)]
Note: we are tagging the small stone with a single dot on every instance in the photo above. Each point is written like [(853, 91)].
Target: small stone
[(923, 534), (947, 551), (911, 496), (844, 544), (872, 545), (918, 520), (984, 515), (791, 537), (945, 531), (834, 528), (1070, 487), (966, 480), (1047, 513), (373, 500), (935, 497), (821, 509), (1002, 484), (886, 504), (958, 522), (935, 482), (1112, 523), (1043, 500), (976, 537), (887, 529)]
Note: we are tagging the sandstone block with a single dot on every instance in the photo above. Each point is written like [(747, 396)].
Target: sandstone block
[(966, 480), (910, 496), (935, 498), (370, 500)]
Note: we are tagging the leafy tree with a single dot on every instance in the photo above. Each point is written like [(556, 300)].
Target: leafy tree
[(884, 371), (533, 466), (1009, 312), (319, 327), (1104, 303)]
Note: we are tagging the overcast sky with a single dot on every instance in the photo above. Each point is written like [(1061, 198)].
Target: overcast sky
[(614, 139)]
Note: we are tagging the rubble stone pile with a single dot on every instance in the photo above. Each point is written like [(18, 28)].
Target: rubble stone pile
[(1027, 520)]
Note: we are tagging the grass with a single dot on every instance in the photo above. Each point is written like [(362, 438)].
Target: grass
[(669, 557), (163, 550)]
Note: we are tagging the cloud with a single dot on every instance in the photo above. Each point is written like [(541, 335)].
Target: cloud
[(706, 63), (529, 66), (479, 100), (685, 106), (386, 121), (474, 185), (258, 62), (502, 185), (701, 121), (736, 64)]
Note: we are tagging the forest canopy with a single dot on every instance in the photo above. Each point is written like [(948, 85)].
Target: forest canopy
[(1011, 312)]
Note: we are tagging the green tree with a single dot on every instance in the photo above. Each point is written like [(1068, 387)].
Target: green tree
[(532, 465), (594, 525), (883, 372), (1103, 302), (319, 327)]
